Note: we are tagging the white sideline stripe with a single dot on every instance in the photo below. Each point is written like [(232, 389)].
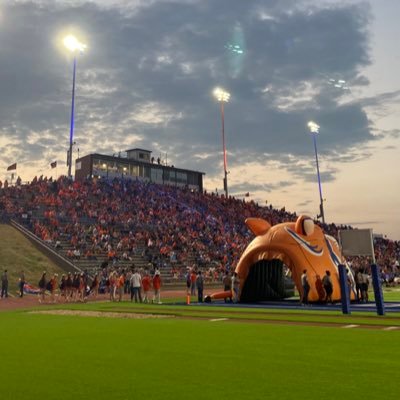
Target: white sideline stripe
[(391, 328), (218, 319), (350, 326)]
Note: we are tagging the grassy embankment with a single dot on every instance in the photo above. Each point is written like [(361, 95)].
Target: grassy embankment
[(17, 253)]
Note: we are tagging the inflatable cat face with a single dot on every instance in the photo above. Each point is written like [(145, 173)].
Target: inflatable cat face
[(299, 245)]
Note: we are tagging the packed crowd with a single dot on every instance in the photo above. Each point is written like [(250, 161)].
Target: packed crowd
[(178, 228)]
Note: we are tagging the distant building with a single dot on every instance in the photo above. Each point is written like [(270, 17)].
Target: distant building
[(138, 164)]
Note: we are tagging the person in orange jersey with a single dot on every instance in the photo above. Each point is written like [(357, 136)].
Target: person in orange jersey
[(53, 285), (193, 278), (156, 287), (146, 284), (120, 286)]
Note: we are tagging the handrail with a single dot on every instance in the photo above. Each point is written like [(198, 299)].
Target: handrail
[(43, 244)]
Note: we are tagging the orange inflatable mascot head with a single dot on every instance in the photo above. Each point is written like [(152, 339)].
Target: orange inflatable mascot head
[(299, 245)]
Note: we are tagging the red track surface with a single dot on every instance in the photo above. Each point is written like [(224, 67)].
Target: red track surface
[(32, 301)]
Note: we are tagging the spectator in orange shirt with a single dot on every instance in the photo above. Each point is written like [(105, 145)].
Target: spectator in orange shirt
[(146, 283), (156, 287), (193, 277), (120, 286), (52, 287)]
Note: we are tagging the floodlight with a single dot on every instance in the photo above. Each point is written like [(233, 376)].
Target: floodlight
[(73, 44), (314, 127), (221, 95)]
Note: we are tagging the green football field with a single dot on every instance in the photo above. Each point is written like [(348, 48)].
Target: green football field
[(196, 353)]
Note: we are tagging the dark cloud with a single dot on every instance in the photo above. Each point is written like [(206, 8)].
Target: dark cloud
[(147, 77)]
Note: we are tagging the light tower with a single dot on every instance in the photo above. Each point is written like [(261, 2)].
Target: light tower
[(314, 130), (74, 46), (223, 97)]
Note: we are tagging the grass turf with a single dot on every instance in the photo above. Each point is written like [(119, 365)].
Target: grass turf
[(302, 316), (64, 357)]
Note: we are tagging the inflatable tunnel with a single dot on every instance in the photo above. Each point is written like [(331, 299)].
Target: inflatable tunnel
[(300, 245), (266, 281)]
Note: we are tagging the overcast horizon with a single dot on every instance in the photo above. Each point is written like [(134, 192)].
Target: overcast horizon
[(147, 76)]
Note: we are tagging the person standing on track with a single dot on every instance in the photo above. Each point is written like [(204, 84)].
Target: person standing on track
[(235, 287), (306, 287), (42, 287), (21, 284), (120, 283), (94, 288), (193, 278), (157, 287), (136, 283), (188, 282), (328, 286), (52, 287), (200, 287), (146, 283), (4, 284)]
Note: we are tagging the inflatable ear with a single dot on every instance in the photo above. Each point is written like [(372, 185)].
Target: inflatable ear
[(258, 226), (304, 226)]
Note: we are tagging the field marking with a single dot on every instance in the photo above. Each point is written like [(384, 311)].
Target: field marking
[(98, 314), (350, 326), (218, 319), (391, 328)]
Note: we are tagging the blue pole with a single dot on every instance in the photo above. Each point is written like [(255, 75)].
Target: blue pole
[(344, 290), (319, 179), (380, 304), (71, 133)]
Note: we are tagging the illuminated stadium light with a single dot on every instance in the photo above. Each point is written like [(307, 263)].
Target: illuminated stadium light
[(338, 83), (73, 44), (221, 95), (234, 48), (314, 127)]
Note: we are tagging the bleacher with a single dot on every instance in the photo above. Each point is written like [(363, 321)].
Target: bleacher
[(158, 226)]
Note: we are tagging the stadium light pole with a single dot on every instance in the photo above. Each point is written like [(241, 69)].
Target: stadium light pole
[(314, 130), (73, 45), (223, 97)]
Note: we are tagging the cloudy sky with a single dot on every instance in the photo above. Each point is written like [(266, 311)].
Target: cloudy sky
[(147, 77)]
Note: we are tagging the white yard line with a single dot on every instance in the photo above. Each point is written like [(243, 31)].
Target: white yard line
[(350, 326)]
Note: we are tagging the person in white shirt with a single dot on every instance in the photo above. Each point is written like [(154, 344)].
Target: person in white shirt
[(136, 283)]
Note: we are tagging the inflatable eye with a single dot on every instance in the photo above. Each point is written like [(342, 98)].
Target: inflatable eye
[(308, 226), (304, 226)]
